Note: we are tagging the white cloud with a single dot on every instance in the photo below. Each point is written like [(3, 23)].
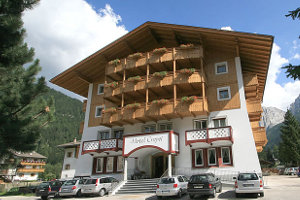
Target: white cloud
[(227, 28), (280, 96), (296, 56), (65, 32)]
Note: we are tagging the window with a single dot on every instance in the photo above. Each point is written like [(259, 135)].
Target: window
[(109, 164), (100, 89), (199, 158), (103, 135), (211, 155), (33, 174), (180, 179), (165, 127), (221, 68), (223, 93), (225, 153), (67, 166), (99, 110), (221, 122), (120, 163), (118, 133), (149, 128), (21, 175), (99, 167), (200, 124), (69, 154)]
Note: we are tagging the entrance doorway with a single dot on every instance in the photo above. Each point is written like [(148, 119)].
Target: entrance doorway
[(160, 164)]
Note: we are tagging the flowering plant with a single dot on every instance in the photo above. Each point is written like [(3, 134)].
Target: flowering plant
[(160, 50), (110, 110), (134, 79), (159, 101), (113, 84), (133, 106), (189, 99), (160, 74), (114, 62), (186, 46), (187, 70), (135, 56)]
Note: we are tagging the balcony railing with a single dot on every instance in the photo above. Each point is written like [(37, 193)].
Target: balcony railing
[(260, 137), (31, 170), (102, 145), (32, 163), (209, 135)]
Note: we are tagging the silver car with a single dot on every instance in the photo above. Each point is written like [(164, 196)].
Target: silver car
[(249, 183), (71, 188), (98, 186), (172, 186)]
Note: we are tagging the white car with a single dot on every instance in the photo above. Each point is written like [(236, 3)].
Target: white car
[(98, 186), (249, 183), (172, 186)]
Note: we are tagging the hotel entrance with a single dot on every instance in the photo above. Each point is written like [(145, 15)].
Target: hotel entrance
[(159, 164)]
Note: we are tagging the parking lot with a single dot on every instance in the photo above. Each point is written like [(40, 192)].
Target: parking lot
[(276, 188)]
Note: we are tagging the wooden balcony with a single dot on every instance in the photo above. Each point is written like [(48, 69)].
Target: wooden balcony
[(260, 136), (81, 127), (209, 135), (33, 163), (111, 117), (98, 146), (31, 170), (197, 107), (195, 77), (130, 86), (113, 91), (254, 110), (251, 86), (115, 68)]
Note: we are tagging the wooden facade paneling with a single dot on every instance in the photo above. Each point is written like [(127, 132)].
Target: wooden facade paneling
[(97, 100)]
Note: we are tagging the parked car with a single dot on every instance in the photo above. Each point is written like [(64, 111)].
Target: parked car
[(71, 188), (49, 189), (298, 173), (204, 184), (249, 183), (98, 186), (172, 186)]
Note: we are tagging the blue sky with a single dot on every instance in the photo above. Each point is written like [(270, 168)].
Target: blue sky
[(74, 29)]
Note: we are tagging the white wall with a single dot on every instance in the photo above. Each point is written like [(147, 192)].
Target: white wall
[(72, 161)]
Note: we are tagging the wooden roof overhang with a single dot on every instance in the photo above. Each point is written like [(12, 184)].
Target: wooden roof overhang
[(253, 49)]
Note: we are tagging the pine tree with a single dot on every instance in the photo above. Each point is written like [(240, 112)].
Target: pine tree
[(22, 112), (289, 148)]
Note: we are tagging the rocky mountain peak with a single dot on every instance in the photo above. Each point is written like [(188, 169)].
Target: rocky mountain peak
[(272, 116)]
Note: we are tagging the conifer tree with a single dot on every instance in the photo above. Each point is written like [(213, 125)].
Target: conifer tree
[(22, 112), (289, 148)]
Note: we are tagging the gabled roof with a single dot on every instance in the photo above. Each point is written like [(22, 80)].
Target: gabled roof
[(254, 50), (70, 144), (29, 155)]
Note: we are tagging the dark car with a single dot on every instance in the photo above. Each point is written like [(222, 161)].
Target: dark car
[(204, 184), (49, 189)]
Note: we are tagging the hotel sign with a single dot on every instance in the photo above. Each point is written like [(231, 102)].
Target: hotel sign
[(159, 141)]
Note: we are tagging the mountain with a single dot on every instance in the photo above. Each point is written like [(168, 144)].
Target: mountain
[(272, 116), (65, 127), (295, 108)]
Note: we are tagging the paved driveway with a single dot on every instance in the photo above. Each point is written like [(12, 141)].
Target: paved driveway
[(276, 188)]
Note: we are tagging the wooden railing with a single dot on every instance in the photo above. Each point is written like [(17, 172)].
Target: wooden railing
[(260, 136), (112, 144), (31, 170), (32, 163)]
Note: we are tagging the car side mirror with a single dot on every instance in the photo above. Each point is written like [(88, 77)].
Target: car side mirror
[(217, 179), (234, 178)]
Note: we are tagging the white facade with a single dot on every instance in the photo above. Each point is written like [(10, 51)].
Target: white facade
[(243, 154), (69, 165)]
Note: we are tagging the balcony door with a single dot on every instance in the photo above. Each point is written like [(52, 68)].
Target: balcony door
[(103, 135)]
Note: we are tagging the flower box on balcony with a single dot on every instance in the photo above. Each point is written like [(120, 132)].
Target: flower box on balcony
[(160, 50), (160, 102), (189, 99), (110, 110), (135, 56), (134, 79), (114, 84), (186, 46), (114, 62), (133, 106), (187, 71), (160, 74)]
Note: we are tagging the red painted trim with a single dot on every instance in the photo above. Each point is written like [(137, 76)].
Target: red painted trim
[(170, 141), (145, 146), (137, 134)]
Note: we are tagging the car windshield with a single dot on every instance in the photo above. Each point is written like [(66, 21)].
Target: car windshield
[(198, 178), (247, 176), (44, 184), (70, 182), (90, 181), (167, 180)]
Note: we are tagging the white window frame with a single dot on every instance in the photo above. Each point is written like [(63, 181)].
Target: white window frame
[(147, 125), (223, 88), (166, 124), (103, 107), (216, 118), (98, 89), (101, 160), (195, 120), (104, 131), (196, 158), (118, 169), (220, 64), (214, 164), (228, 154), (112, 169), (113, 135)]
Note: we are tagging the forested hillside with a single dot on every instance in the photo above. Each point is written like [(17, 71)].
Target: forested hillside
[(68, 115)]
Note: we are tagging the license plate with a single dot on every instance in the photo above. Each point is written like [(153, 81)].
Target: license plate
[(248, 185), (197, 187), (165, 191), (42, 190)]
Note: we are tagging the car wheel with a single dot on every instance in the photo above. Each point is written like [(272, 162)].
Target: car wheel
[(102, 192), (191, 196), (220, 189), (44, 197), (261, 194), (179, 193), (78, 194)]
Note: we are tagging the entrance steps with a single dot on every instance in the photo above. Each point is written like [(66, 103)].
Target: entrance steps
[(139, 186)]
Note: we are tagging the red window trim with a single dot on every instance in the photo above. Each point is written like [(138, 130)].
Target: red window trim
[(218, 158), (115, 171)]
